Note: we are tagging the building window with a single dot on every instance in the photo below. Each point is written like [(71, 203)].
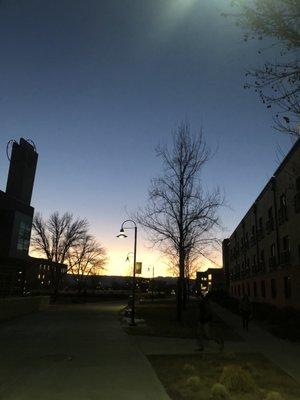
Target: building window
[(287, 287), (270, 221), (24, 237), (239, 290), (243, 289), (286, 243), (270, 213), (260, 233), (282, 212), (298, 184), (248, 288), (252, 239), (285, 255), (273, 288), (272, 250), (297, 196), (262, 261), (254, 265), (283, 200), (263, 289), (254, 289), (272, 260)]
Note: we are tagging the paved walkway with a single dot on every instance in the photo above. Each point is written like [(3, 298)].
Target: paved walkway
[(281, 352), (77, 352)]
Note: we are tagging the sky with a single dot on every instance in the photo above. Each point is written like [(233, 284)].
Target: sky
[(98, 84)]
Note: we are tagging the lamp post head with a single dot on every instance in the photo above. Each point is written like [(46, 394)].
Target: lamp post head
[(121, 234)]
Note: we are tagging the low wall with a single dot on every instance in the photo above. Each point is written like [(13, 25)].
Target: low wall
[(11, 307)]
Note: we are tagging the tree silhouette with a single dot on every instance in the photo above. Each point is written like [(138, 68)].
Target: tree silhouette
[(56, 237), (86, 258), (277, 83), (181, 216)]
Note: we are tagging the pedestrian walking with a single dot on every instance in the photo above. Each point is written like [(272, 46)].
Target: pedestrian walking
[(204, 329), (245, 311)]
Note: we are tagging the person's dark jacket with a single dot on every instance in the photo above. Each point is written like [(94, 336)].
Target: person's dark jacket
[(205, 313)]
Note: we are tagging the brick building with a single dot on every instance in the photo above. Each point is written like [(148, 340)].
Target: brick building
[(262, 256), (210, 280)]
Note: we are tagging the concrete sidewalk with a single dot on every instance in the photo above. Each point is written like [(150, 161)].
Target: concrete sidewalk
[(281, 352), (77, 352)]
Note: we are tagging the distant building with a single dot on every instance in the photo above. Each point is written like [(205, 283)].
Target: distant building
[(210, 280), (262, 256), (18, 271)]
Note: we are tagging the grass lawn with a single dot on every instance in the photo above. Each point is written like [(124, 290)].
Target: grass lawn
[(191, 377), (160, 318)]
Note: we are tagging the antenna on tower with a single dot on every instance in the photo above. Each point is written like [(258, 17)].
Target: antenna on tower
[(8, 148), (32, 143)]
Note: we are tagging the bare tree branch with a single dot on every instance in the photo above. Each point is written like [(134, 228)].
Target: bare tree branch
[(88, 257), (180, 216), (277, 83), (56, 237)]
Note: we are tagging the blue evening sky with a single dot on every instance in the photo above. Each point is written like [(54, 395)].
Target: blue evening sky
[(98, 84)]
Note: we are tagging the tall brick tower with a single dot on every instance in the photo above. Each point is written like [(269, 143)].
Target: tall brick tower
[(16, 212), (22, 171)]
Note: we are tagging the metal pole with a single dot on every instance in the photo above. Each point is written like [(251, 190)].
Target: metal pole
[(133, 279), (152, 283)]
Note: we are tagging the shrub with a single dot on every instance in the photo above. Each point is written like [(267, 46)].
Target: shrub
[(274, 396), (219, 392), (189, 368), (236, 379), (253, 371), (193, 382), (230, 355)]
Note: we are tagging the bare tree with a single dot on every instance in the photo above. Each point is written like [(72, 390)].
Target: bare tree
[(56, 237), (181, 216), (86, 258), (277, 83), (190, 269)]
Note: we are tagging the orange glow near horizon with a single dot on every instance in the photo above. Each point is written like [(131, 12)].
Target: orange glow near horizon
[(117, 252)]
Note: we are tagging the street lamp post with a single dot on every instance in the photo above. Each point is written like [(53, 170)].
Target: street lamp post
[(122, 235), (152, 283)]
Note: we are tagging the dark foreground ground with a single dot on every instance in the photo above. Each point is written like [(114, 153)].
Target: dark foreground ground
[(254, 365), (77, 352)]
